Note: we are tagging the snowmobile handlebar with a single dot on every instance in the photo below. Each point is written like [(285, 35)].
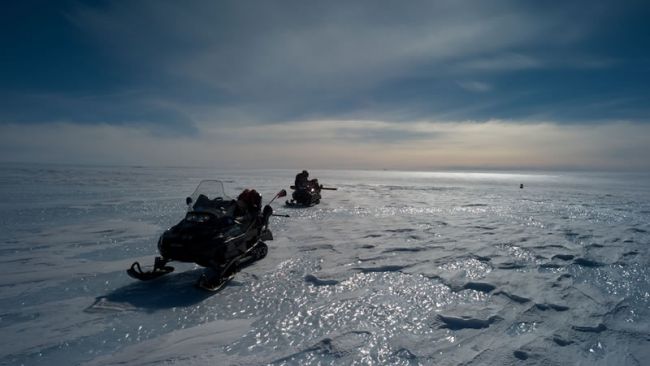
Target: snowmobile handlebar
[(282, 193), (320, 187)]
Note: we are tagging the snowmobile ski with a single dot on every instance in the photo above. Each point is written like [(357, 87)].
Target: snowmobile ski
[(159, 269)]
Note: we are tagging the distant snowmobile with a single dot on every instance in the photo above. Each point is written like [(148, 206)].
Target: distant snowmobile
[(219, 233), (307, 196)]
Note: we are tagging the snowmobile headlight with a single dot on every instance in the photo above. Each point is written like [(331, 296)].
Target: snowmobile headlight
[(198, 217)]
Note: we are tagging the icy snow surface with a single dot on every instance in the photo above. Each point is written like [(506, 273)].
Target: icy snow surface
[(393, 268)]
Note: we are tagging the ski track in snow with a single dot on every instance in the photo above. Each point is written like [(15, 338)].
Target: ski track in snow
[(393, 268)]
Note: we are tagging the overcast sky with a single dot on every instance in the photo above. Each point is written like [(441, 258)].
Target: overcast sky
[(418, 85)]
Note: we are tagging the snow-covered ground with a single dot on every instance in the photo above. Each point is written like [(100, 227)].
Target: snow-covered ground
[(393, 268)]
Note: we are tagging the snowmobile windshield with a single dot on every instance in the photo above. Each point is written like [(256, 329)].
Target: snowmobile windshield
[(209, 196), (210, 188)]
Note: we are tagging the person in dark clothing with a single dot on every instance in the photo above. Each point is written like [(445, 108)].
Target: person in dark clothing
[(302, 180), (248, 202)]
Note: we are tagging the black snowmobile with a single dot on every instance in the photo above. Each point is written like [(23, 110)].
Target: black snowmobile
[(307, 196), (219, 233)]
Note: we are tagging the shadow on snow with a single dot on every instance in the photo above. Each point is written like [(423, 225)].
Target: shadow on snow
[(173, 290)]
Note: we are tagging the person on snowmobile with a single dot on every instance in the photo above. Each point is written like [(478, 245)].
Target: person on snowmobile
[(248, 203), (302, 180)]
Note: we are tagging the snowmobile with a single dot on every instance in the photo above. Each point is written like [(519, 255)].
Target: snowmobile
[(307, 196), (221, 234)]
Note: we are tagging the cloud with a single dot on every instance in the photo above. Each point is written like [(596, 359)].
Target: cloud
[(362, 84), (125, 108), (507, 61), (475, 86), (319, 39), (259, 62), (424, 145)]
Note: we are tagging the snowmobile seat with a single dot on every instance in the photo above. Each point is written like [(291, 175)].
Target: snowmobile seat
[(201, 202)]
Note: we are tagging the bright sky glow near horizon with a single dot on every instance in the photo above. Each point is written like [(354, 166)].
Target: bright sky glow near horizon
[(417, 85)]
